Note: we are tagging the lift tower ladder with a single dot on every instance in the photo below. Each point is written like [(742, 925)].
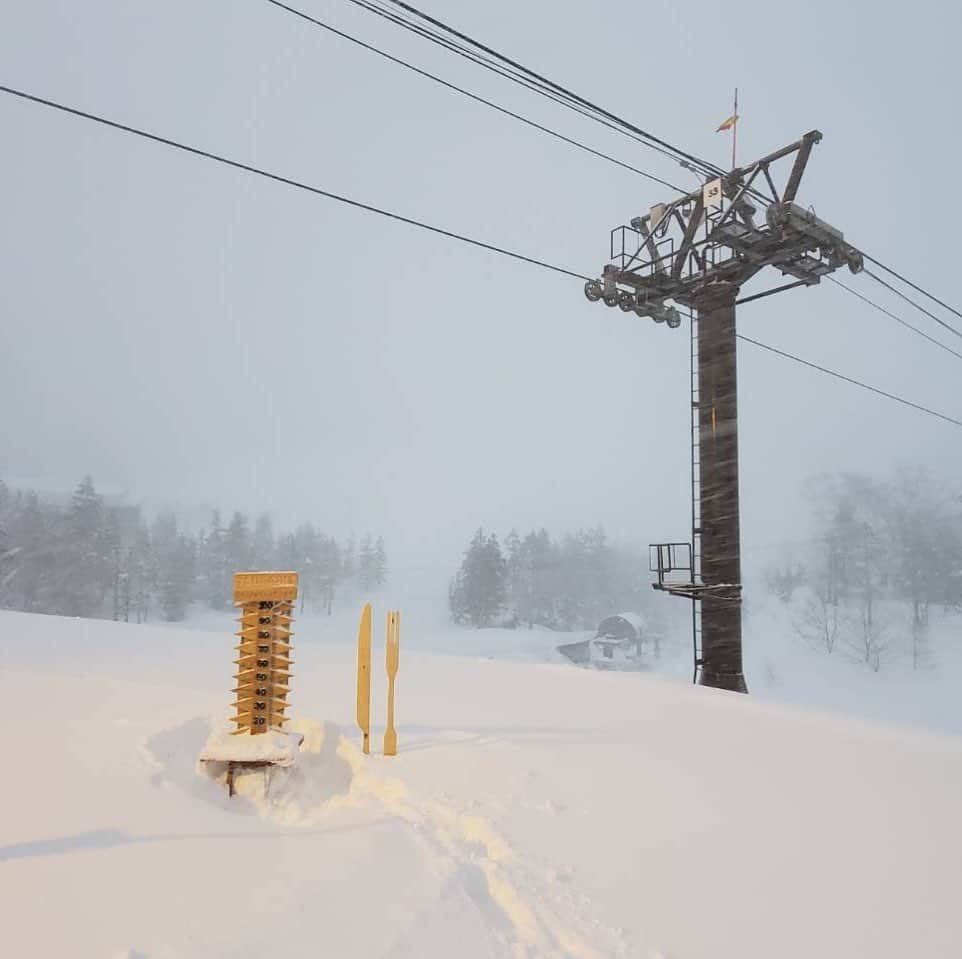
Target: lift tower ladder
[(695, 498)]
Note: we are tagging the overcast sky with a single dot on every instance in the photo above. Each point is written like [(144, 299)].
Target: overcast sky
[(195, 335)]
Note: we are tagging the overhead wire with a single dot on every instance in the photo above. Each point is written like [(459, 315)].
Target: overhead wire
[(288, 181), (510, 73), (895, 317), (450, 234), (410, 8), (848, 379), (912, 302), (914, 286), (544, 85), (473, 96)]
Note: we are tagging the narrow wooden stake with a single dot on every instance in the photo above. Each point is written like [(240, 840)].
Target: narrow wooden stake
[(364, 677), (391, 660)]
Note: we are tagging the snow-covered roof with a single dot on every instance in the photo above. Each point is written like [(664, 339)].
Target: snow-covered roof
[(636, 620)]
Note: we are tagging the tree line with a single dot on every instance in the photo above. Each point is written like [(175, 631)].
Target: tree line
[(886, 552), (567, 583), (90, 558)]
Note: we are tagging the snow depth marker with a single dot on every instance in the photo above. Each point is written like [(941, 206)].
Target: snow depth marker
[(264, 654)]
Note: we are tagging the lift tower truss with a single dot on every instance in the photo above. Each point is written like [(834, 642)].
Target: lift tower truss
[(697, 252)]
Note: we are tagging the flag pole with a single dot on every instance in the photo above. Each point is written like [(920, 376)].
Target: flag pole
[(735, 128)]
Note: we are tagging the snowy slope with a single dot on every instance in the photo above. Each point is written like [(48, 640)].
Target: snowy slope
[(534, 810)]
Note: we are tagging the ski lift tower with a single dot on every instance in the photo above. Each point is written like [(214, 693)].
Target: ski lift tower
[(697, 252)]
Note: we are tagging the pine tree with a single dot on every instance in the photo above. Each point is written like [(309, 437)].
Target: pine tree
[(8, 551), (175, 558), (286, 552), (237, 546), (144, 574), (214, 565), (262, 544), (349, 559), (366, 564), (478, 592), (177, 575), (544, 564), (31, 577), (516, 575), (327, 571), (86, 558), (380, 562)]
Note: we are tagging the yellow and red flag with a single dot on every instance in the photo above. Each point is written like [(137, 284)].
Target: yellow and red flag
[(729, 123)]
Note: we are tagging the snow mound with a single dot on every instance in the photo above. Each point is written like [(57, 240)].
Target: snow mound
[(275, 746)]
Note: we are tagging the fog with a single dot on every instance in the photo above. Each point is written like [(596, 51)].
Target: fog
[(194, 335)]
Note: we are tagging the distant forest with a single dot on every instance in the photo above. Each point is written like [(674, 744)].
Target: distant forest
[(568, 583), (92, 559), (886, 551)]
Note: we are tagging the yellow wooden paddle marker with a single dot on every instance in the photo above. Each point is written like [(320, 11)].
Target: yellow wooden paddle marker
[(391, 661), (364, 677)]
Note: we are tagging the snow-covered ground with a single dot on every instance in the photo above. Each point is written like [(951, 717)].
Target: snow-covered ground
[(534, 809)]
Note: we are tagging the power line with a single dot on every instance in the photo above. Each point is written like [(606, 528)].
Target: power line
[(236, 164), (556, 86), (544, 84), (908, 282), (481, 60), (510, 74), (848, 379), (897, 319), (197, 151), (912, 302), (473, 96)]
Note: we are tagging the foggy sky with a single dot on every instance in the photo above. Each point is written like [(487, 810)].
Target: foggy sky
[(195, 335)]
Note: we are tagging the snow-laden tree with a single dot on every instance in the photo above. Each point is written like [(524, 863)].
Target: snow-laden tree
[(478, 593), (85, 562)]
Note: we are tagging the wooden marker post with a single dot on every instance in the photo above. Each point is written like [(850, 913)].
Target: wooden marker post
[(364, 677), (264, 654), (391, 661)]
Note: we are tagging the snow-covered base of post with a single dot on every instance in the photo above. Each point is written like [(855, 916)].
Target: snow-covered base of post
[(229, 758)]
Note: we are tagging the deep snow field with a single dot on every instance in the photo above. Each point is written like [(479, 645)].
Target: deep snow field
[(534, 809)]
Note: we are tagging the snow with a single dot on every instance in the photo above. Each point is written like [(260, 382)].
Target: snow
[(276, 746), (534, 809), (636, 620)]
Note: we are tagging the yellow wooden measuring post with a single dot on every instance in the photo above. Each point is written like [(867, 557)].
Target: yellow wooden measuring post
[(264, 653), (391, 661), (364, 677)]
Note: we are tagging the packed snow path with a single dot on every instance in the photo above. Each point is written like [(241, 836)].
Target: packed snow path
[(532, 811)]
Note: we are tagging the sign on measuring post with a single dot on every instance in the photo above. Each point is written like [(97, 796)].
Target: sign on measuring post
[(264, 653)]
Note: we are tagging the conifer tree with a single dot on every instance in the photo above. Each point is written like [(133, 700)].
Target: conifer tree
[(380, 562), (85, 562), (237, 546), (262, 544), (214, 565), (366, 564), (478, 592)]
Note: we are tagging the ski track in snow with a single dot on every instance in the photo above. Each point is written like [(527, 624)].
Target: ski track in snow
[(517, 910)]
